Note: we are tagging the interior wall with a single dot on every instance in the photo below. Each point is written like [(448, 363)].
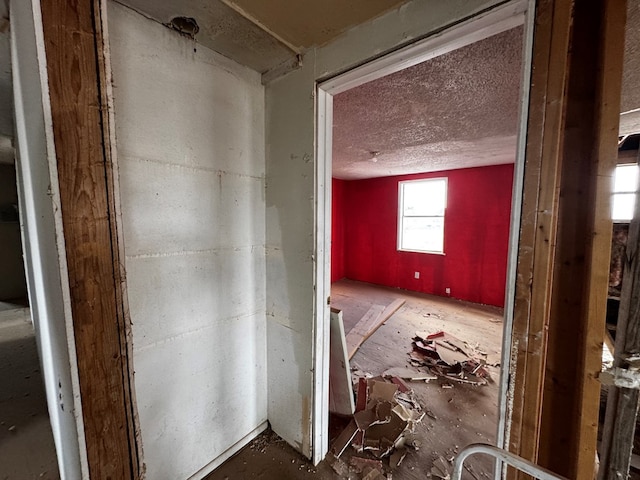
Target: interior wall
[(338, 231), (291, 228), (476, 235), (12, 280), (190, 141)]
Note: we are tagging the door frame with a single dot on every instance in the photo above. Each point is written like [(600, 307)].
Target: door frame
[(496, 20)]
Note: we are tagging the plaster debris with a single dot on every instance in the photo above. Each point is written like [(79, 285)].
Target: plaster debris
[(449, 358), (382, 427)]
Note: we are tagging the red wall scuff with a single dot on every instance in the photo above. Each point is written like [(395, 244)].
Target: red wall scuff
[(476, 236)]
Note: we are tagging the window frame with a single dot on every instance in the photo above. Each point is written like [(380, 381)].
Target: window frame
[(615, 193), (401, 215)]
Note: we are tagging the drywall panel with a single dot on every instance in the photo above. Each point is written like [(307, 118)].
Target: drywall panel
[(43, 238), (290, 199), (190, 141)]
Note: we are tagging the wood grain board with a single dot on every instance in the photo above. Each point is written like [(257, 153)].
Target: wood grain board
[(369, 323), (74, 54)]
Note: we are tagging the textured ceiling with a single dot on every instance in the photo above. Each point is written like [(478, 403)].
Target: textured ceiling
[(630, 99), (457, 110), (304, 23)]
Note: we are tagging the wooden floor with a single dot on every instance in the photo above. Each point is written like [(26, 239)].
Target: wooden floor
[(464, 414)]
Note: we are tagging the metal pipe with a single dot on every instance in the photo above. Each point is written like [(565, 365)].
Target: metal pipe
[(503, 456)]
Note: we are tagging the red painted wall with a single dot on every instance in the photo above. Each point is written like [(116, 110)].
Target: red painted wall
[(337, 229), (476, 235)]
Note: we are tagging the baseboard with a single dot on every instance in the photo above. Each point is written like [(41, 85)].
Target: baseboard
[(228, 453)]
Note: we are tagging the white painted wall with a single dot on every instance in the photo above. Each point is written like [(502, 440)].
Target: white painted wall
[(43, 237), (291, 204), (190, 141)]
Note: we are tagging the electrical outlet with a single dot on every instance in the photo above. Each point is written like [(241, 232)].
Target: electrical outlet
[(416, 275), (447, 291)]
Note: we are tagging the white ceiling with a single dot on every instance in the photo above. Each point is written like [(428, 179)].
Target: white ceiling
[(457, 110)]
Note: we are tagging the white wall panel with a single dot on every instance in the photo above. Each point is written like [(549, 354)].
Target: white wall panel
[(190, 142)]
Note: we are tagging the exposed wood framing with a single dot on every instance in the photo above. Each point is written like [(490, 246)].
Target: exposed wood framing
[(538, 223), (622, 403), (566, 233), (77, 78)]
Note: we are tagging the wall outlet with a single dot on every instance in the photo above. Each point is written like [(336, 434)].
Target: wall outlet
[(447, 291), (416, 275)]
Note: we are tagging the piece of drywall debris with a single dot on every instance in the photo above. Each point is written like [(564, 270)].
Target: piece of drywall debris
[(373, 474), (344, 439), (381, 391), (448, 357), (408, 374), (337, 465), (396, 457), (402, 387), (360, 464), (440, 469), (362, 394)]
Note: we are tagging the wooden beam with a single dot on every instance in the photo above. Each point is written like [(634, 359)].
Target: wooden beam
[(603, 158), (77, 77), (538, 224), (565, 235)]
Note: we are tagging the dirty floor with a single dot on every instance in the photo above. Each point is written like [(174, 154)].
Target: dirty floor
[(463, 414), (27, 451)]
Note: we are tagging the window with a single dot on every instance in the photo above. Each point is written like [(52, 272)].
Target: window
[(421, 215), (625, 185)]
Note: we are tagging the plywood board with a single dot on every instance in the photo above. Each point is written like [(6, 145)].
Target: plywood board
[(369, 323), (340, 387)]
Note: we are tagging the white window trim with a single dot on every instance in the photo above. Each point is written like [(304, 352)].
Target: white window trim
[(615, 193), (401, 215)]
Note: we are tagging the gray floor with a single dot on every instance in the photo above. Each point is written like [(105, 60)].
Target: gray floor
[(26, 442)]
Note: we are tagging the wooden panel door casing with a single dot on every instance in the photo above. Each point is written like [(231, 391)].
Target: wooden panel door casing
[(566, 233), (73, 37)]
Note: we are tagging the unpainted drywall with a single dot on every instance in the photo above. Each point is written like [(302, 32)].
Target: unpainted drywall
[(290, 200), (12, 280), (44, 252), (190, 155), (304, 23)]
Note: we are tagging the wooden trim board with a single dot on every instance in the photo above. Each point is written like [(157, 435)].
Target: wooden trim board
[(340, 386), (75, 60), (369, 323)]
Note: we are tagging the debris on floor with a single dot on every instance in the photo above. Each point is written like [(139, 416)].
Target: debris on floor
[(445, 356), (380, 430)]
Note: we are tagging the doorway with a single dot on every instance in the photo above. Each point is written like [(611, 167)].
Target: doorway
[(511, 17)]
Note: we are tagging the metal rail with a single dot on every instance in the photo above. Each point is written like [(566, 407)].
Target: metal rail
[(503, 456)]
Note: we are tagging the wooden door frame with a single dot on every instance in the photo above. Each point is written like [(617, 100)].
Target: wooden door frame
[(565, 235), (497, 19), (78, 78)]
